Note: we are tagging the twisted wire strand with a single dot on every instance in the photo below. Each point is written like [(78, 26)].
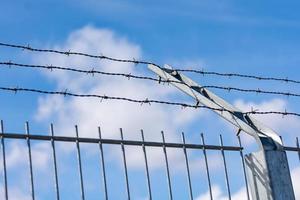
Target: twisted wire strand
[(68, 53), (146, 101), (127, 75), (92, 71), (239, 75), (202, 72)]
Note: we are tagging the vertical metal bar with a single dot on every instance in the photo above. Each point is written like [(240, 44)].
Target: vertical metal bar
[(102, 164), (206, 165), (54, 162), (30, 160), (187, 167), (146, 165), (125, 165), (297, 143), (167, 166), (244, 168), (225, 168), (79, 164), (4, 161)]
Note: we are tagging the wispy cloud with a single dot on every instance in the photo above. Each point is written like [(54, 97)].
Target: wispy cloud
[(223, 12)]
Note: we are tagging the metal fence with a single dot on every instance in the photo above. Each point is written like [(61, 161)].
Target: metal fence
[(107, 187)]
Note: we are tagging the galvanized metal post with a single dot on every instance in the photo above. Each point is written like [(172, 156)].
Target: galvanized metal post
[(268, 174), (267, 170)]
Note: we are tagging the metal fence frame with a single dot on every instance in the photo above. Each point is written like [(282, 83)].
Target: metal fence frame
[(52, 138)]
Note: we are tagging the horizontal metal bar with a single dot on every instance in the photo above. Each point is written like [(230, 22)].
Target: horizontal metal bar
[(115, 141), (297, 149), (127, 142)]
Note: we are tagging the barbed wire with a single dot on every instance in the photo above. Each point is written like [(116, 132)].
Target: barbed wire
[(258, 91), (146, 101), (239, 75), (159, 80), (202, 72), (68, 53), (92, 71)]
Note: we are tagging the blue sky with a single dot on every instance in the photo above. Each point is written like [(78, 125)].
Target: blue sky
[(254, 37)]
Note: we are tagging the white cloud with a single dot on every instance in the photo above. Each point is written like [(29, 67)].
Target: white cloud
[(52, 106), (218, 194), (17, 161), (111, 115), (17, 154)]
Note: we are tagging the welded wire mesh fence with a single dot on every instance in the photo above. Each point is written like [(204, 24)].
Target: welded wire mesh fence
[(117, 177)]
